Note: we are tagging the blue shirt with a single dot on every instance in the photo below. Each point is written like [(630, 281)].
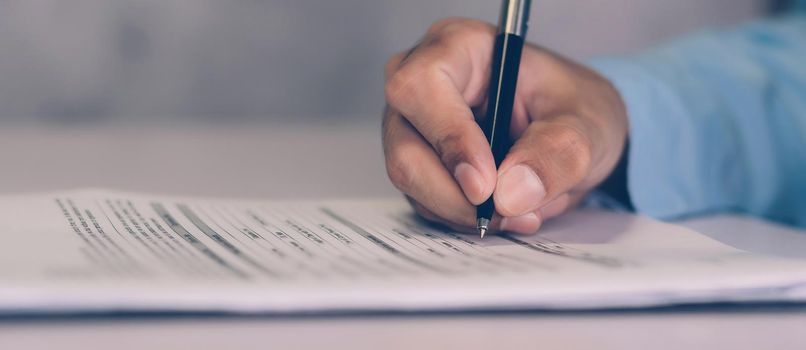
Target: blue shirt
[(718, 121)]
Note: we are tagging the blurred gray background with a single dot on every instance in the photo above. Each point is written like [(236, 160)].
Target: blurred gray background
[(94, 61)]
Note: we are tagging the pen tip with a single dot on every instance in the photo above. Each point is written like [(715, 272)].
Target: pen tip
[(481, 225)]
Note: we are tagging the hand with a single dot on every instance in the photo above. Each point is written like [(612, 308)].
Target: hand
[(569, 125)]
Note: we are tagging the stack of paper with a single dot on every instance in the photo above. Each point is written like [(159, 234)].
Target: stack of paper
[(99, 251)]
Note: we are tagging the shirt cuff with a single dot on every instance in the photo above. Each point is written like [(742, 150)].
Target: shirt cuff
[(661, 182)]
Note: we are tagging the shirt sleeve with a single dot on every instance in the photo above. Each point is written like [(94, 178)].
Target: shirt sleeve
[(718, 122)]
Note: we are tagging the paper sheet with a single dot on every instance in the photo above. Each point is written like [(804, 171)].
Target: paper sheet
[(95, 250)]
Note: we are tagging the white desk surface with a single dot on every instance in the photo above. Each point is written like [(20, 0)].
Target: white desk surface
[(283, 161)]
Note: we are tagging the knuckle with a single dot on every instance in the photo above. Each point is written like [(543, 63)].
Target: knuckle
[(407, 81), (462, 24), (392, 63), (400, 170), (573, 147), (396, 86), (387, 127), (476, 28), (447, 147), (451, 143), (456, 30), (443, 23)]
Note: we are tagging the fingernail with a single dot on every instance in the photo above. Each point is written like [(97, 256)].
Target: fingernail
[(471, 182), (526, 224), (519, 190)]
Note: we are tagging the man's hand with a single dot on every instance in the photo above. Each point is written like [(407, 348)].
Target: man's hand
[(569, 125)]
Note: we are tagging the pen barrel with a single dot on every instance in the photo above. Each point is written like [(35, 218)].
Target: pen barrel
[(501, 96), (501, 92), (486, 209)]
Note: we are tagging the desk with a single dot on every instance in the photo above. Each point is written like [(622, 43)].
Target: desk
[(282, 161)]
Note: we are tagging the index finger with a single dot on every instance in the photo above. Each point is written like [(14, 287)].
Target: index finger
[(433, 88)]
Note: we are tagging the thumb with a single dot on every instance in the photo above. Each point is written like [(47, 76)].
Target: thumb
[(550, 158)]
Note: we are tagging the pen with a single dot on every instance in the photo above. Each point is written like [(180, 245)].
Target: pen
[(501, 92)]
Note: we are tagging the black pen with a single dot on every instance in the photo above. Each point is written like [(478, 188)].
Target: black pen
[(501, 92)]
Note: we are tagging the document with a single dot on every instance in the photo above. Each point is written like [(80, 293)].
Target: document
[(100, 251)]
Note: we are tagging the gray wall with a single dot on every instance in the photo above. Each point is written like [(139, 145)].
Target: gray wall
[(92, 60)]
